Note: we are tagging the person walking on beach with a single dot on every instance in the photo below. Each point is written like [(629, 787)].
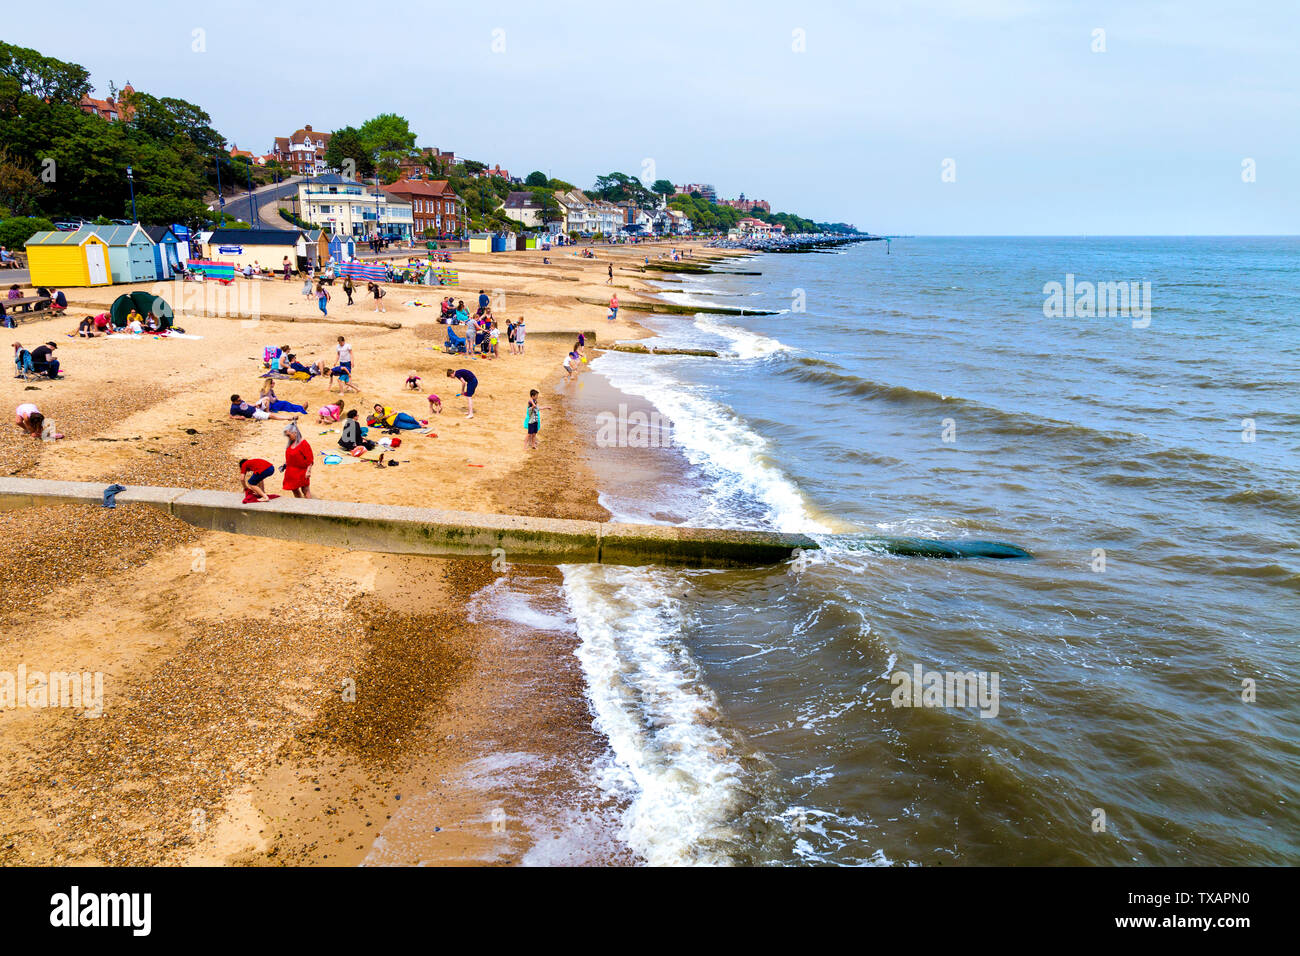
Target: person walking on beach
[(613, 307), (469, 384), (610, 280), (378, 293), (345, 353), (322, 298), (348, 287), (519, 335), (298, 459), (286, 268), (532, 419)]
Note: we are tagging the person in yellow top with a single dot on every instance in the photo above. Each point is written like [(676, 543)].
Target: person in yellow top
[(383, 417)]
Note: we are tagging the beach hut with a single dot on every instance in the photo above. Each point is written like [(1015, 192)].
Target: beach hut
[(166, 250), (318, 248), (130, 252), (480, 242), (342, 248), (68, 259), (264, 248)]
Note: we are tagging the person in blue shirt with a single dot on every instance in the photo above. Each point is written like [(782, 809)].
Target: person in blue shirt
[(469, 383)]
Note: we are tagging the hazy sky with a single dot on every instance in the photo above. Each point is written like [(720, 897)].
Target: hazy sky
[(1046, 136)]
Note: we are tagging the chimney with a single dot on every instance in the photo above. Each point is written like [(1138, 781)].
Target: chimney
[(307, 128)]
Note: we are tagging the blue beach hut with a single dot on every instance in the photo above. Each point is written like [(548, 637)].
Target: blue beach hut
[(166, 250)]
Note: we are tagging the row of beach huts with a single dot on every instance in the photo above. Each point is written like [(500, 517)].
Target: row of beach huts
[(103, 255)]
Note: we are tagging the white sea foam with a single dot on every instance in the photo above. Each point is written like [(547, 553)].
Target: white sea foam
[(677, 773), (748, 344), (713, 437)]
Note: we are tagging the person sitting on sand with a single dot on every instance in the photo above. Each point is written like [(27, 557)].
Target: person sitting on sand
[(352, 436), (413, 382), (268, 401), (43, 360), (241, 409), (252, 473), (86, 327), (29, 418)]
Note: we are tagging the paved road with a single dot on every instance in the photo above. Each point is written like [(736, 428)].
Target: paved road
[(263, 213)]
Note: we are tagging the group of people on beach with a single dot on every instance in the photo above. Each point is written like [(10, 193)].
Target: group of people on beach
[(480, 333)]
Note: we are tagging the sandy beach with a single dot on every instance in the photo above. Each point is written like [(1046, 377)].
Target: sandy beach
[(268, 702)]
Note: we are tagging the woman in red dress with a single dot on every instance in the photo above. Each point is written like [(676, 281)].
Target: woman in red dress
[(298, 459)]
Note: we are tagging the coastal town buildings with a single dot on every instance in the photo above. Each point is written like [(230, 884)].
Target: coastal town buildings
[(705, 190), (429, 162), (435, 207), (747, 205), (112, 109), (303, 151), (524, 207), (346, 207), (576, 208), (749, 227)]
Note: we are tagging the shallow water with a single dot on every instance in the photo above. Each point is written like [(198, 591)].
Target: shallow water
[(1151, 468)]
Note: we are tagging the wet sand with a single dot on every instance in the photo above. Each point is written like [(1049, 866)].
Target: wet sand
[(268, 702)]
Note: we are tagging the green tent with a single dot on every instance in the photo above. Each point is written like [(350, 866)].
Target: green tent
[(144, 303)]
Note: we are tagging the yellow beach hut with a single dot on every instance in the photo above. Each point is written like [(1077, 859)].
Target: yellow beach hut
[(68, 259)]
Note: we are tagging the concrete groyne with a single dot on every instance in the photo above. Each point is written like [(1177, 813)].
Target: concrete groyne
[(395, 529)]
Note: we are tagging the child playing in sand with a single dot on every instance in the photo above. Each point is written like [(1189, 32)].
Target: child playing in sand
[(435, 405), (29, 418), (330, 413), (532, 419), (413, 382), (345, 379), (570, 364)]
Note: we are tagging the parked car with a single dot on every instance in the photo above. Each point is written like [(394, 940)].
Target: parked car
[(68, 226)]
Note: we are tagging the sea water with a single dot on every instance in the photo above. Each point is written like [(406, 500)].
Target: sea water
[(1145, 659)]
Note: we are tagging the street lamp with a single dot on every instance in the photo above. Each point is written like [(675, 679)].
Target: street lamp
[(130, 179), (221, 197)]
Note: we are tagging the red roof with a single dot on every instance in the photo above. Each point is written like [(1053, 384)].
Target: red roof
[(435, 188)]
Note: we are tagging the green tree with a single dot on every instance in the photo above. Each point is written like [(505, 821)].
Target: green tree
[(347, 153), (20, 188), (663, 187), (165, 210), (387, 132), (535, 178), (16, 231), (44, 77)]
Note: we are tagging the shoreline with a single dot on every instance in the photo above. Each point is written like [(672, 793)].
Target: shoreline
[(222, 686)]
